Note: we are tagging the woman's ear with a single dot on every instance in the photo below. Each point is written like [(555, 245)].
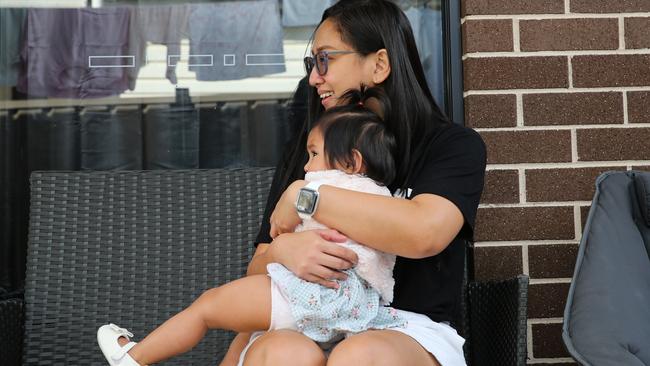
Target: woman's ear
[(358, 162), (382, 67)]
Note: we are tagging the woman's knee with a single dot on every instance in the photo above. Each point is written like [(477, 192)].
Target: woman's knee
[(380, 348), (284, 347), (354, 351)]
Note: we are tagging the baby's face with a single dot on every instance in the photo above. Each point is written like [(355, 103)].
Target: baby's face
[(315, 150)]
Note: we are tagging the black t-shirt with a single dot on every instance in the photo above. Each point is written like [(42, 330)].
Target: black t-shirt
[(453, 167)]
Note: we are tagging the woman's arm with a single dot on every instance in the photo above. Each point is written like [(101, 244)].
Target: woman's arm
[(416, 228), (312, 255)]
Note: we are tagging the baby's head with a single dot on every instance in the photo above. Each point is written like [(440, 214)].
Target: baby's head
[(353, 138)]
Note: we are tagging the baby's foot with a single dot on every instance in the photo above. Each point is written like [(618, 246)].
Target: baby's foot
[(123, 341), (114, 343)]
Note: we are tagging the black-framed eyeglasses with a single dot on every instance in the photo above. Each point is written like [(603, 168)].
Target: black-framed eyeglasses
[(321, 60)]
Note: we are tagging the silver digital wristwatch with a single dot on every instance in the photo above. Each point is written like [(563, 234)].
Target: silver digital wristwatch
[(307, 201)]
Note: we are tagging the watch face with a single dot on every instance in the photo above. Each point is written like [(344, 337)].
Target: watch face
[(306, 201)]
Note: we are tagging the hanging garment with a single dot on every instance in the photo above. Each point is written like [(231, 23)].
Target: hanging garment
[(165, 25), (427, 29), (14, 202), (220, 137), (235, 40), (11, 31), (300, 13), (111, 139), (171, 137), (53, 140), (76, 53)]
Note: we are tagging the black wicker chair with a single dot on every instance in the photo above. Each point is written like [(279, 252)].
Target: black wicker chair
[(134, 247)]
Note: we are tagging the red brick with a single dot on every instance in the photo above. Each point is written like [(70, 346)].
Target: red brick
[(584, 215), (499, 7), (572, 108), (609, 6), (638, 107), (555, 185), (487, 36), (552, 260), (607, 144), (637, 33), (611, 70), (547, 341), (501, 186), (515, 72), (498, 110), (568, 34), (497, 263), (524, 223), (547, 300), (511, 147)]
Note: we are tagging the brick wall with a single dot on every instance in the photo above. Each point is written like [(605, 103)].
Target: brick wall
[(560, 92)]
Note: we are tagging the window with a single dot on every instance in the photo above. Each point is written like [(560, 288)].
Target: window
[(164, 84)]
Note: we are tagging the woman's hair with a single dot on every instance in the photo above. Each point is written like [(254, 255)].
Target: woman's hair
[(358, 125), (368, 26)]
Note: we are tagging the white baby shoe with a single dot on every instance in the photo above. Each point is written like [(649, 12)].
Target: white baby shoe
[(107, 336)]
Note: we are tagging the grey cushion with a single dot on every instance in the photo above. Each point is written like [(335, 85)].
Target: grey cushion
[(642, 186), (607, 315)]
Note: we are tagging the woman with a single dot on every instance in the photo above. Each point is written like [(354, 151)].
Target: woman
[(440, 170)]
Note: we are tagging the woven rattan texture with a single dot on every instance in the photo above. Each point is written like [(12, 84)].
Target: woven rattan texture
[(132, 248), (497, 317), (11, 331)]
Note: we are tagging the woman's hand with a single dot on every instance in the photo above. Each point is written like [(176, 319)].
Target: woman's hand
[(284, 218), (314, 255)]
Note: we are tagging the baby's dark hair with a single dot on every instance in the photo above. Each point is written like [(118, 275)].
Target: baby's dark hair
[(358, 125)]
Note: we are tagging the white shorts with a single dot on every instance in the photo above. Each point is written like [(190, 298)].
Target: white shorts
[(439, 339)]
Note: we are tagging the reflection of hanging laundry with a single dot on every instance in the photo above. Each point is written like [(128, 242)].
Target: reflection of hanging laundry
[(158, 24), (235, 40), (11, 31), (299, 13), (427, 29), (76, 53)]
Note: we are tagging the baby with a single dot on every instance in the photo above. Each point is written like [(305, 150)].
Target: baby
[(350, 148)]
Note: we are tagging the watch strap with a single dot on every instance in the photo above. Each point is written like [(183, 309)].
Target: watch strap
[(313, 187)]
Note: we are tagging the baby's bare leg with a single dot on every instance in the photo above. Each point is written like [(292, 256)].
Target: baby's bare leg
[(243, 305)]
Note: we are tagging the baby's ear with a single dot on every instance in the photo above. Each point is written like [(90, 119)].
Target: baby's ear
[(358, 162)]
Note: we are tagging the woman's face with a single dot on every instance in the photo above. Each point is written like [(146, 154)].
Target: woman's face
[(344, 71)]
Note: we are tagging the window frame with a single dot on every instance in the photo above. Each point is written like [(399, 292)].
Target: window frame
[(453, 63)]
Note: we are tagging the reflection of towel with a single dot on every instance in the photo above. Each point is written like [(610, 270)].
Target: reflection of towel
[(11, 31), (58, 47), (162, 25), (427, 29), (234, 30), (299, 13)]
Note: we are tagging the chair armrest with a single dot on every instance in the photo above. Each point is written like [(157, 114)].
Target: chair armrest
[(11, 331), (497, 321)]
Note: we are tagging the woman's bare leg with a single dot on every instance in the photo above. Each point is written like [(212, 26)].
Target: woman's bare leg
[(380, 348), (243, 305), (284, 347)]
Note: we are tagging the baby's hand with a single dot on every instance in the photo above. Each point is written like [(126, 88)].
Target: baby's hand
[(284, 218)]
